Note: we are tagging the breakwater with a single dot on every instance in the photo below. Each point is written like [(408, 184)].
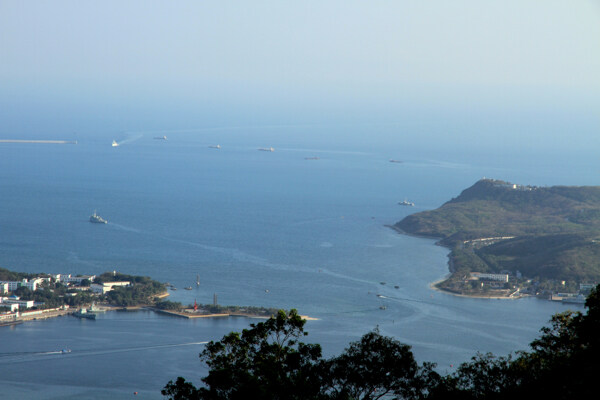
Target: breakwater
[(38, 141)]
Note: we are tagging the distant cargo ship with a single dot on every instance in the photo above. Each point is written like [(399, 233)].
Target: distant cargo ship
[(396, 161), (95, 218), (406, 203), (215, 147), (160, 137), (266, 149)]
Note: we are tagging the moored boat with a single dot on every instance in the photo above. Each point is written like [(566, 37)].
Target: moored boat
[(83, 313)]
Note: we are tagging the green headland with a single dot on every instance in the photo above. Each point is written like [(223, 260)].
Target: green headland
[(547, 239)]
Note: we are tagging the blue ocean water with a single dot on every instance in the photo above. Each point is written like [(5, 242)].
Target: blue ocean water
[(260, 228)]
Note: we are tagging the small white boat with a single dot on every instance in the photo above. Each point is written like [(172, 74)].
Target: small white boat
[(270, 149), (115, 144)]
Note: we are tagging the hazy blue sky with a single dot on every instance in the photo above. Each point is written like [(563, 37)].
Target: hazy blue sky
[(218, 62)]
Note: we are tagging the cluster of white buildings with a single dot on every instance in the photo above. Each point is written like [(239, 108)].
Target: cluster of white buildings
[(489, 277), (32, 284), (66, 279)]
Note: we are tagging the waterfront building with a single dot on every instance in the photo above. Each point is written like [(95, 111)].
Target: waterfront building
[(9, 307), (16, 300)]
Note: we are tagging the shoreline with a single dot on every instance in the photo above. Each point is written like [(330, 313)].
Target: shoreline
[(54, 313), (435, 285), (190, 315)]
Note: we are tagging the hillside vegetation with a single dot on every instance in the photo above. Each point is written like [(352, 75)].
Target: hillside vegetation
[(546, 232)]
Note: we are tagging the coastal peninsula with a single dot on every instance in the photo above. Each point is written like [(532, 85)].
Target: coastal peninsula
[(26, 297), (510, 240)]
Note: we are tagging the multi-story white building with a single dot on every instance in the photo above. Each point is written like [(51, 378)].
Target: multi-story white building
[(14, 285), (8, 301), (75, 279), (490, 277), (106, 286)]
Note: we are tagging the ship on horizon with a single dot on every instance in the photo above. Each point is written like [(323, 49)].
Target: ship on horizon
[(406, 203), (95, 218)]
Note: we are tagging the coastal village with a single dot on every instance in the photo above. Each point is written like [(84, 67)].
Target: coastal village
[(513, 286), (79, 295), (14, 309)]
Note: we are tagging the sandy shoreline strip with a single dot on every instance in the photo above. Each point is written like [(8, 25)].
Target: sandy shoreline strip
[(190, 315), (434, 285)]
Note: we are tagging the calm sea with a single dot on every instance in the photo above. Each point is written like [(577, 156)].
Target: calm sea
[(259, 228)]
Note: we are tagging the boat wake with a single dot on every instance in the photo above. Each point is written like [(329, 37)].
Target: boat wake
[(241, 256), (125, 228), (23, 357), (74, 258), (128, 140)]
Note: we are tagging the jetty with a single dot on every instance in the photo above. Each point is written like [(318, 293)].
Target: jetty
[(38, 141)]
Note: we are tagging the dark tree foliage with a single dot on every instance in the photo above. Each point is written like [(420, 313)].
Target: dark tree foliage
[(564, 360), (181, 390), (24, 293), (168, 305), (268, 362), (375, 367), (6, 275), (484, 377), (562, 364)]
